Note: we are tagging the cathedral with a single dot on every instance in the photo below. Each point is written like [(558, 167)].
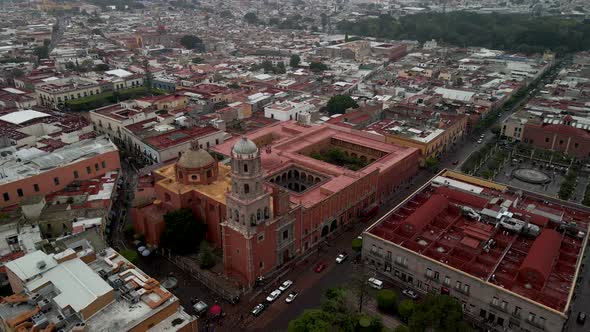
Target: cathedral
[(270, 201)]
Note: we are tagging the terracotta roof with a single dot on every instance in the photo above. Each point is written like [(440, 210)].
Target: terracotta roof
[(537, 266), (425, 213), (462, 197)]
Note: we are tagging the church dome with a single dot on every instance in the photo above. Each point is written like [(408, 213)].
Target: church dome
[(245, 146), (195, 159)]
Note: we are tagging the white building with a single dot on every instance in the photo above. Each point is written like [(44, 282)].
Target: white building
[(287, 110)]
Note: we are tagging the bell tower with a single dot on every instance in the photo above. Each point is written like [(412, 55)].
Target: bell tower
[(248, 204)]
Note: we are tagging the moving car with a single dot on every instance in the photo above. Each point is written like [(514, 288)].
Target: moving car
[(291, 297), (258, 309), (410, 293), (479, 141), (341, 257), (455, 162), (375, 283), (286, 284), (320, 267), (581, 317), (273, 296)]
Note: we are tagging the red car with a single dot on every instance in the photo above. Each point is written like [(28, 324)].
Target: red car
[(320, 267)]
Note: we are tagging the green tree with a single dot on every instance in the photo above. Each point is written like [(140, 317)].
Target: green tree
[(101, 67), (406, 309), (386, 299), (338, 104), (294, 61), (207, 258), (439, 313), (401, 328), (318, 67), (131, 255), (357, 245), (197, 60), (311, 320), (251, 18), (233, 85), (128, 231), (280, 68), (182, 233), (192, 42), (431, 163), (42, 52)]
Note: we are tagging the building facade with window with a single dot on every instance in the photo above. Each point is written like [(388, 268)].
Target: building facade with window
[(34, 172), (274, 201), (57, 92), (509, 257)]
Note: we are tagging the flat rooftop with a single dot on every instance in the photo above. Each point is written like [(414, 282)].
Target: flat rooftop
[(471, 225), (30, 162)]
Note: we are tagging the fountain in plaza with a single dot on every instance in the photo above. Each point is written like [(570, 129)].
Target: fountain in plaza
[(531, 175)]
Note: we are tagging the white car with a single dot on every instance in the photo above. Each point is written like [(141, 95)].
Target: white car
[(291, 297), (341, 257), (273, 296), (286, 284), (410, 293), (479, 141), (375, 283)]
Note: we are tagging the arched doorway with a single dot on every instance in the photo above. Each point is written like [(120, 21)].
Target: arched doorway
[(333, 225), (325, 231)]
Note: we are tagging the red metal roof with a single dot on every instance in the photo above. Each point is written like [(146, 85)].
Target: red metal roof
[(462, 197), (425, 213), (537, 265)]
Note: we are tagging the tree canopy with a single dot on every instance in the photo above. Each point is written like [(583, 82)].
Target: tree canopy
[(251, 18), (294, 61), (340, 103), (42, 52), (334, 315), (192, 42), (357, 245), (386, 299), (183, 232), (514, 32), (438, 313), (318, 67)]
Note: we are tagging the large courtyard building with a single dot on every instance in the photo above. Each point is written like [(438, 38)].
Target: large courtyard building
[(279, 196), (510, 257)]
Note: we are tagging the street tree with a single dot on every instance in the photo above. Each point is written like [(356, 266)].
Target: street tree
[(438, 313), (386, 299), (101, 67), (183, 232), (357, 245), (406, 309), (318, 67), (338, 104)]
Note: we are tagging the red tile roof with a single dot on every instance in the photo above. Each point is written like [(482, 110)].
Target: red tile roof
[(537, 266), (425, 213)]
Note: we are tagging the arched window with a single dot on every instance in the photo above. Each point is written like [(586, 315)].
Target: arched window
[(266, 216), (252, 220), (246, 188), (245, 168), (258, 214), (237, 216), (229, 214)]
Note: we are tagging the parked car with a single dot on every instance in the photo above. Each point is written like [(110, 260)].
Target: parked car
[(581, 317), (258, 309), (273, 296), (455, 162), (320, 267), (410, 293), (479, 141), (291, 297), (286, 284), (341, 257), (375, 283), (199, 307)]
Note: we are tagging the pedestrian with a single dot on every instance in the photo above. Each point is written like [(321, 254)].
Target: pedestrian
[(241, 316)]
